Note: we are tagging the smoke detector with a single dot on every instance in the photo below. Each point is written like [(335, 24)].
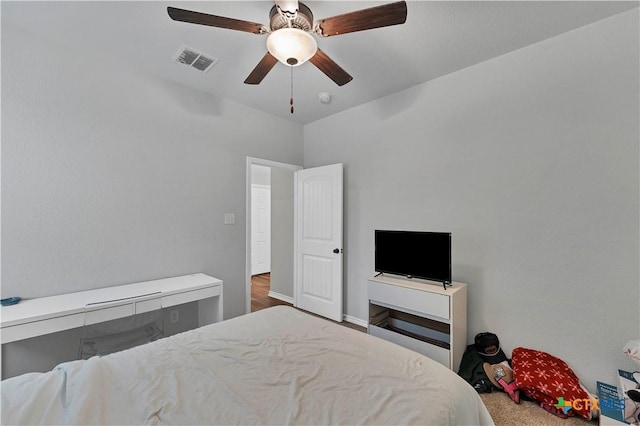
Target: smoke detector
[(324, 97), (194, 59)]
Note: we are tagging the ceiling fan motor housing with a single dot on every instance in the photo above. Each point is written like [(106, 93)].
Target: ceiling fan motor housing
[(302, 21)]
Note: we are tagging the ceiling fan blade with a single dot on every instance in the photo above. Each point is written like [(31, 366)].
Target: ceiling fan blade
[(364, 19), (215, 21), (260, 71), (325, 64)]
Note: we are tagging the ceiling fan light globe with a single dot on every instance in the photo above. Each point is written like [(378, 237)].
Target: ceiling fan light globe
[(292, 46)]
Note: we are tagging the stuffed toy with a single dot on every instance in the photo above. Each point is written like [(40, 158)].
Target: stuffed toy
[(632, 350), (632, 410), (632, 407)]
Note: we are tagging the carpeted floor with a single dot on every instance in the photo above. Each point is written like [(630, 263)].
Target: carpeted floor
[(506, 413)]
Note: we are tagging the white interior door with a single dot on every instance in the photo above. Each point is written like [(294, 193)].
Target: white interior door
[(318, 241), (260, 229)]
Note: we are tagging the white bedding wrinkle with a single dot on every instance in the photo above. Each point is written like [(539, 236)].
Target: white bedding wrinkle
[(275, 366)]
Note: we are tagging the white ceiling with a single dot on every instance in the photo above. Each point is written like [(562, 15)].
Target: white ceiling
[(438, 38)]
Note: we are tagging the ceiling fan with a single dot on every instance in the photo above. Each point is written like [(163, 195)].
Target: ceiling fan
[(290, 39)]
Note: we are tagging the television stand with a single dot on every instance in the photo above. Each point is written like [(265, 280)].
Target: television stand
[(421, 316)]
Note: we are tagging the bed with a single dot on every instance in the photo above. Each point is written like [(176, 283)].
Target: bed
[(275, 366)]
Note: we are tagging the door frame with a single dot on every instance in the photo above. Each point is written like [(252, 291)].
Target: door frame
[(251, 161)]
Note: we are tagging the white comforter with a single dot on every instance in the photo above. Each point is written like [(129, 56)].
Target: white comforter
[(276, 366)]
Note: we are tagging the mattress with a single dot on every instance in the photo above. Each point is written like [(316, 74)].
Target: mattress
[(275, 366)]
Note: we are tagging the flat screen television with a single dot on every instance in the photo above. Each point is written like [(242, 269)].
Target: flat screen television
[(414, 254)]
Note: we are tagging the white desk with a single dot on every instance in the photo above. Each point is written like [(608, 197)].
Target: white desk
[(37, 317)]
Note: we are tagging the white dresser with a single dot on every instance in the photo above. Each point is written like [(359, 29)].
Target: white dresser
[(420, 315)]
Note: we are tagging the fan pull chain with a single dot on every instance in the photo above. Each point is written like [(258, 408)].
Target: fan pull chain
[(291, 97)]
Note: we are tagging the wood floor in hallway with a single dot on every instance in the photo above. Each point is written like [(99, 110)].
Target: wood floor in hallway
[(260, 285)]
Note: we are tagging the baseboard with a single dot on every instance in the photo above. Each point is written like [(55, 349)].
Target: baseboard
[(282, 297), (356, 321)]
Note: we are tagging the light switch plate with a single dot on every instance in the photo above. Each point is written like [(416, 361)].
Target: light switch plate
[(229, 218)]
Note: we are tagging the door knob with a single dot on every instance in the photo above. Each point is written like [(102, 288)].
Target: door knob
[(336, 251)]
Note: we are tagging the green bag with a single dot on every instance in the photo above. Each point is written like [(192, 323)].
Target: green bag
[(471, 370)]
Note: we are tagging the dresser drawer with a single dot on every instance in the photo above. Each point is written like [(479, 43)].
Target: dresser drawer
[(436, 353), (436, 305)]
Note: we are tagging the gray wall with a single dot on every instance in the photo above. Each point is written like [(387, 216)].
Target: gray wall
[(282, 231), (531, 161), (111, 176)]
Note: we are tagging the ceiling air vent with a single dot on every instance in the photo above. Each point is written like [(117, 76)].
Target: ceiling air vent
[(194, 59)]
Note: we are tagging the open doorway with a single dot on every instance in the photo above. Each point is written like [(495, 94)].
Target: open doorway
[(270, 227)]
